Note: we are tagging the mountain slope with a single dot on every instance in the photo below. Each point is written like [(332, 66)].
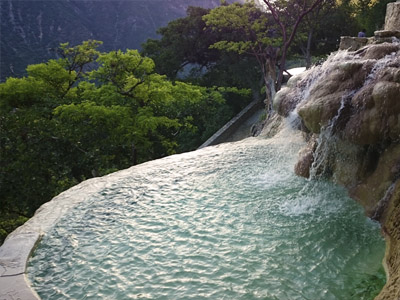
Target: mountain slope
[(31, 30)]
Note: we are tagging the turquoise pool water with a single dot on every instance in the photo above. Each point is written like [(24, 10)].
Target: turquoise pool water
[(225, 222)]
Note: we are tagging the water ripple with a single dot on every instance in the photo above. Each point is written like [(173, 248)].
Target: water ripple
[(226, 222)]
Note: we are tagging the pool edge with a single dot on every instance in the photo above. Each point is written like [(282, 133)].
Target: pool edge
[(14, 255), (19, 244)]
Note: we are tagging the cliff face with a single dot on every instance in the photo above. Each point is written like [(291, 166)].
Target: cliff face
[(350, 109), (32, 29)]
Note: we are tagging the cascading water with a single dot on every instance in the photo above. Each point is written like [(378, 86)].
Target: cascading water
[(343, 76), (303, 83), (327, 141), (224, 222)]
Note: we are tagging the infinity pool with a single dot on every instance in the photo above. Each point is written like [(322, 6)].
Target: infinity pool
[(225, 222)]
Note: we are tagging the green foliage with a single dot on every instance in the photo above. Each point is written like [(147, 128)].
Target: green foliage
[(52, 78), (184, 41), (327, 23), (89, 114), (184, 51), (370, 14), (94, 134), (245, 28), (31, 159), (79, 56), (331, 27), (8, 223)]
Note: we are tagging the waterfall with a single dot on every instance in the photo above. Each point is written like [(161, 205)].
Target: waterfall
[(331, 99), (383, 203), (326, 143)]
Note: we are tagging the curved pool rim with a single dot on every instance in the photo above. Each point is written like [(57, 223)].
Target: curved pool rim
[(19, 245)]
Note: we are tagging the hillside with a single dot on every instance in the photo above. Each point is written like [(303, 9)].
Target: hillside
[(31, 30)]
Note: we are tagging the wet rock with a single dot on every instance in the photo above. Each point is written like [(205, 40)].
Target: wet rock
[(378, 117), (271, 126), (353, 43), (391, 73), (306, 158), (353, 112), (391, 230), (372, 188), (320, 110), (327, 95), (286, 100), (380, 50), (348, 163)]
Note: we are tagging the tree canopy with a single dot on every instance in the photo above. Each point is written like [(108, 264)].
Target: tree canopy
[(184, 41), (246, 29), (89, 113)]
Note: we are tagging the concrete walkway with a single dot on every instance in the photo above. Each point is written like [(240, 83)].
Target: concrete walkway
[(238, 127), (244, 130)]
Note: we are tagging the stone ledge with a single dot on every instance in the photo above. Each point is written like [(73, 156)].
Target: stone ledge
[(387, 33), (15, 252), (353, 43), (16, 288), (14, 255)]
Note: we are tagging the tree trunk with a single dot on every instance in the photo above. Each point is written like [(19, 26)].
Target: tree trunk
[(269, 80), (308, 50), (282, 67)]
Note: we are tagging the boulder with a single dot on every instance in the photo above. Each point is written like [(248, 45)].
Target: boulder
[(286, 100), (327, 95), (306, 158), (353, 43), (377, 117), (379, 51), (373, 187)]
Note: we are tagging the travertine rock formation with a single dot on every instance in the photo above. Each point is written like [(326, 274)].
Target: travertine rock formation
[(350, 110)]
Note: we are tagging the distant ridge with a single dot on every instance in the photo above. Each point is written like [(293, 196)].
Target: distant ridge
[(30, 30)]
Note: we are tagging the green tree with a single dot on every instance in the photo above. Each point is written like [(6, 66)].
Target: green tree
[(246, 29), (75, 118), (370, 14), (307, 38), (288, 15), (183, 42), (183, 51)]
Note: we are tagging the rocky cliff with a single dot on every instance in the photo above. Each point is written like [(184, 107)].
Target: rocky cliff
[(349, 109), (32, 29)]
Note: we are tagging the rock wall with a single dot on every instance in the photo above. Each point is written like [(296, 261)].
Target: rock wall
[(349, 109), (392, 20)]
